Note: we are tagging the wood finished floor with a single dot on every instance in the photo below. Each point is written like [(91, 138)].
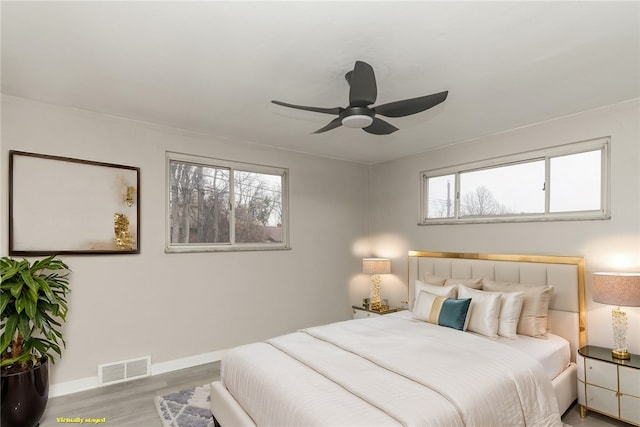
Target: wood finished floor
[(131, 404)]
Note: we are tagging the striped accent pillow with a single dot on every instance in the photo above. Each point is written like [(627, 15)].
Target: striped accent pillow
[(442, 311)]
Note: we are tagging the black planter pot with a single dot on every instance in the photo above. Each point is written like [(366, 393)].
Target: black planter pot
[(24, 396)]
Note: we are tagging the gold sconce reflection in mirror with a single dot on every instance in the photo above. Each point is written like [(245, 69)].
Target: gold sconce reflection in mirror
[(130, 196), (123, 239)]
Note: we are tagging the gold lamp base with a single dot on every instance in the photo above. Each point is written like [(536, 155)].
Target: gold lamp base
[(620, 354), (619, 323), (376, 304)]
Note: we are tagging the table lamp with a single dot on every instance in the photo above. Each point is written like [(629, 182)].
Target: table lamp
[(375, 267), (617, 289)]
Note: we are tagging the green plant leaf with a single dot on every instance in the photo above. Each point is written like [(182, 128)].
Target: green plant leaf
[(24, 327), (45, 288), (58, 334), (28, 354), (28, 279), (9, 332), (50, 320), (8, 273), (32, 295), (20, 304), (4, 302), (44, 346), (30, 307), (10, 267), (38, 345), (56, 264), (16, 289), (39, 264), (37, 320), (23, 358)]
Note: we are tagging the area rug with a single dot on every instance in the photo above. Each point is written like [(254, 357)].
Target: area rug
[(188, 408)]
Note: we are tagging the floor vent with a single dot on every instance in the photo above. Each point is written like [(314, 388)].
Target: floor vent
[(125, 370)]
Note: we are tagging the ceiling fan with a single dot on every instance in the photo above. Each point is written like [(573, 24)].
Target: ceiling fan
[(362, 93)]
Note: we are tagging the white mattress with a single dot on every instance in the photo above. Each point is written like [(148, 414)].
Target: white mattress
[(553, 353), (387, 371)]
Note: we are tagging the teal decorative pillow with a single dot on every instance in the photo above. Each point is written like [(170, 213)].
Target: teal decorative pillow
[(442, 311)]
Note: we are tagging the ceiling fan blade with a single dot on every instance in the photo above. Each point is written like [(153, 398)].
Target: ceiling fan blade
[(348, 77), (363, 90), (336, 110), (380, 127), (410, 106), (332, 125)]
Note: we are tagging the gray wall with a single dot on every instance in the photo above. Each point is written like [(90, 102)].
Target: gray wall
[(175, 306)]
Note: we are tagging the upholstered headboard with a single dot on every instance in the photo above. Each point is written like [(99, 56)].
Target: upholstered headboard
[(566, 274)]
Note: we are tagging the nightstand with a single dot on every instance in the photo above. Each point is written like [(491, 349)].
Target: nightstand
[(361, 312), (607, 385)]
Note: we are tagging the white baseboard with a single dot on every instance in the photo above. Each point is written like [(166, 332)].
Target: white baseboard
[(88, 383), (68, 387), (186, 362)]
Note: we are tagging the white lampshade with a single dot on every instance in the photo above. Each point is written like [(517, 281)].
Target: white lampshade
[(617, 289), (622, 289), (376, 265)]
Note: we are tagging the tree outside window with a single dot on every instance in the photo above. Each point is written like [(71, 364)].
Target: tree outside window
[(226, 206)]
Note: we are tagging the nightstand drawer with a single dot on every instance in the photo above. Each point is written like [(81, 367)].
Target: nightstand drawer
[(601, 374), (630, 381), (361, 314), (630, 409), (602, 400)]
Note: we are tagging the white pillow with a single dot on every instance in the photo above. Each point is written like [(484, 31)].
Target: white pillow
[(433, 280), (469, 283), (441, 291), (484, 310), (510, 307), (535, 305), (442, 311)]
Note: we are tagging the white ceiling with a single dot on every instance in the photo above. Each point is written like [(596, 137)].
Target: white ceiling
[(213, 67)]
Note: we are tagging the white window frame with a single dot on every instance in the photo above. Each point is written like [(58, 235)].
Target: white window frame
[(232, 166), (545, 154)]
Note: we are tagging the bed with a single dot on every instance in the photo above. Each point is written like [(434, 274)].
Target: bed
[(423, 366)]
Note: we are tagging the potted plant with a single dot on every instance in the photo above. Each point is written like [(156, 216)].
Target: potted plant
[(32, 306)]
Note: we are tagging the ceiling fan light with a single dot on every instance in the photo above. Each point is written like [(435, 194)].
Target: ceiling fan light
[(357, 121)]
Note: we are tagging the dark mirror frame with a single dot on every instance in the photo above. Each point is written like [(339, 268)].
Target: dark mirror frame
[(61, 217)]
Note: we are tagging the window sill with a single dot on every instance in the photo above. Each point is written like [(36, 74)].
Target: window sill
[(529, 218), (224, 248)]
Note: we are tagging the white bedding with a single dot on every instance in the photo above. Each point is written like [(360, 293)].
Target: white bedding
[(388, 370), (553, 353)]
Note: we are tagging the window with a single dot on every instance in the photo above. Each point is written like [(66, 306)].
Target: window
[(441, 190), (576, 182), (564, 182), (503, 190), (218, 205)]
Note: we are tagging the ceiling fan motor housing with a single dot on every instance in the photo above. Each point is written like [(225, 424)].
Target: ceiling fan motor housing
[(356, 117)]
